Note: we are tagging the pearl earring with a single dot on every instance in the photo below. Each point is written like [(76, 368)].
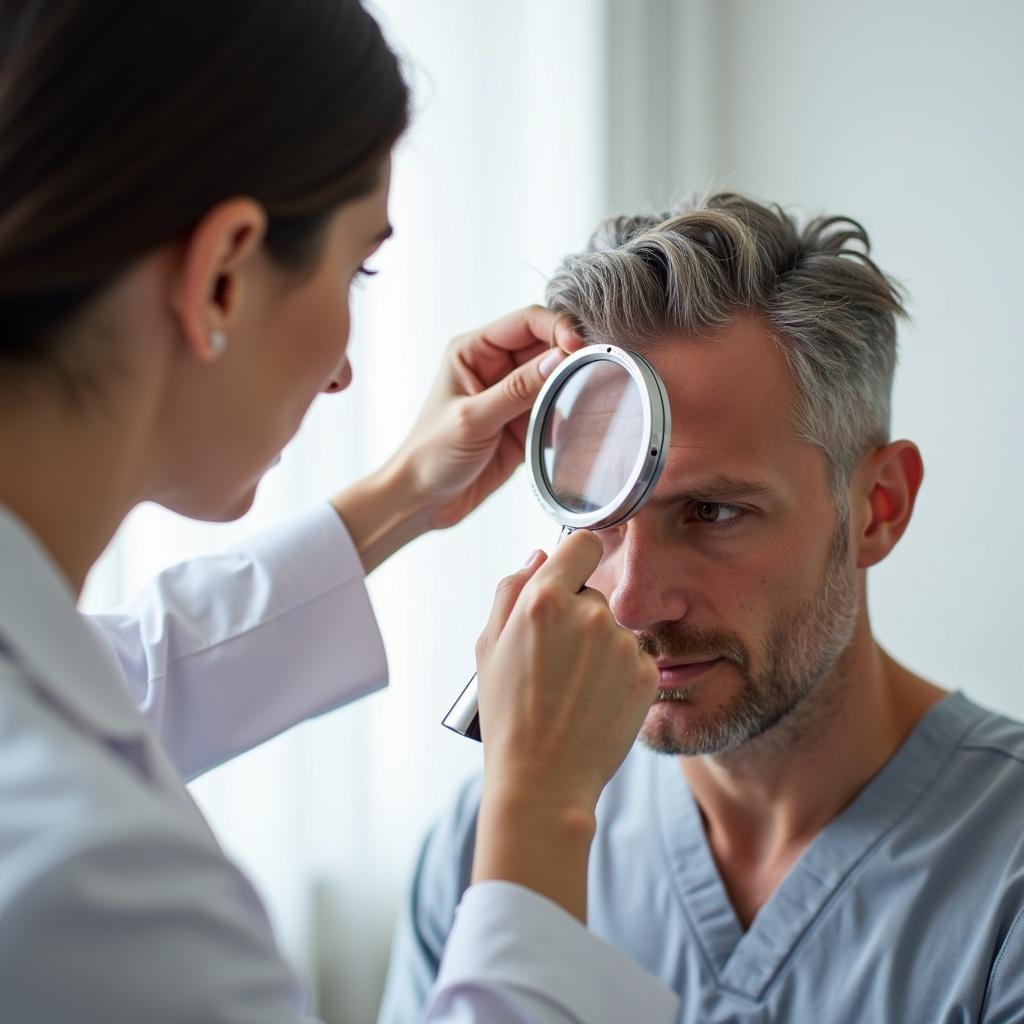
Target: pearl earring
[(218, 341)]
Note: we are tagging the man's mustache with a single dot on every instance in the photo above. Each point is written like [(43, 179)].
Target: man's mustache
[(673, 641)]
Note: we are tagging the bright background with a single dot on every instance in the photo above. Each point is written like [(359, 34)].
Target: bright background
[(534, 119)]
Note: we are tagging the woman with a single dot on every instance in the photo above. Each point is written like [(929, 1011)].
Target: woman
[(186, 196)]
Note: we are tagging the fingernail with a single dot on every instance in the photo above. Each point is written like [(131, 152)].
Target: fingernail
[(533, 558), (550, 361), (566, 335)]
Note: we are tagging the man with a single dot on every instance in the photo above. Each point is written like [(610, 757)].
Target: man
[(808, 832)]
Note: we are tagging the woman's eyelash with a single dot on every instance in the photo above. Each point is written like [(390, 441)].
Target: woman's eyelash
[(364, 271)]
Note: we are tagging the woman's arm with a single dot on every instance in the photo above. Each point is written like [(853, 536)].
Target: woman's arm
[(468, 439), (223, 652), (563, 693)]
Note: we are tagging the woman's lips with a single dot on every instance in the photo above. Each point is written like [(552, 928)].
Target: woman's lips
[(673, 676)]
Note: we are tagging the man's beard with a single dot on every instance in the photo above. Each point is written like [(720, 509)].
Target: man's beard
[(802, 647)]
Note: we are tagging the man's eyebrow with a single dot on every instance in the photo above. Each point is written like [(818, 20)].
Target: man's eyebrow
[(383, 236), (716, 488)]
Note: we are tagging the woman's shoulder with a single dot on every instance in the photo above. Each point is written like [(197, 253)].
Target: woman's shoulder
[(66, 792)]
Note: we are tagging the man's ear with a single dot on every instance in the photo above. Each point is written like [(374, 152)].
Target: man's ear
[(883, 491), (208, 287)]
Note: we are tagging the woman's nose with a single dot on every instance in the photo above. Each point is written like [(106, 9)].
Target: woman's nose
[(340, 379)]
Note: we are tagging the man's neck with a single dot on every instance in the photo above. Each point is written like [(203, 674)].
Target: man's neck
[(764, 802)]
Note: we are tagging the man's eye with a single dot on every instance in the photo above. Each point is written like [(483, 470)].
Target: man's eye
[(715, 512), (363, 272)]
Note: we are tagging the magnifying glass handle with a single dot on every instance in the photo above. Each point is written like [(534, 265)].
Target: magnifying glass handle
[(464, 716)]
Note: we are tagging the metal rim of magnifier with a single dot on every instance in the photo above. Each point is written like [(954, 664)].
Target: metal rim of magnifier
[(657, 427)]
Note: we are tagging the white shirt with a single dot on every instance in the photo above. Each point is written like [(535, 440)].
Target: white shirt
[(116, 903)]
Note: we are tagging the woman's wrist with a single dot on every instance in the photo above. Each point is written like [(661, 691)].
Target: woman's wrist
[(383, 512), (537, 842)]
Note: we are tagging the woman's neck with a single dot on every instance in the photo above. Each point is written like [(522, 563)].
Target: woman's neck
[(72, 474)]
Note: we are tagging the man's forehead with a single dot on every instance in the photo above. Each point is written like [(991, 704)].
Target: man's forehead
[(733, 399), (729, 389)]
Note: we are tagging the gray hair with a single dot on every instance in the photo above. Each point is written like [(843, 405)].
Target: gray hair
[(693, 269)]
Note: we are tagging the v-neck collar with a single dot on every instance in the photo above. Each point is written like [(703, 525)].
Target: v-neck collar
[(747, 962)]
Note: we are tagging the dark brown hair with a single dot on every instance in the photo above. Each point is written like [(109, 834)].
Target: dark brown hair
[(123, 122)]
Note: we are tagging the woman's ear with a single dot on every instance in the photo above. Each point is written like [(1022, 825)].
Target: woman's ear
[(210, 277), (883, 489)]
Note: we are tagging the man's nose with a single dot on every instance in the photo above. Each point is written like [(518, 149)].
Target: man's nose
[(646, 579)]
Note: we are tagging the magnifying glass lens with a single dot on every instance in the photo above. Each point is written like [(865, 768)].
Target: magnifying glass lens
[(591, 435)]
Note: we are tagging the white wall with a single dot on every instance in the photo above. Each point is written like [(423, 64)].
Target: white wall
[(907, 116)]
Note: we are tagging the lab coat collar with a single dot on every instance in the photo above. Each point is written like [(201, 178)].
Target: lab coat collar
[(43, 631)]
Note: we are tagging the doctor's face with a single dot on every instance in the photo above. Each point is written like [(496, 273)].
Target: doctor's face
[(288, 345), (736, 575)]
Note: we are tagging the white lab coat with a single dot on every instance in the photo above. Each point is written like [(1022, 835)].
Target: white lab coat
[(116, 903)]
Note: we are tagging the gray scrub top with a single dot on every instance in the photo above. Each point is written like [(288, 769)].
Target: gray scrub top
[(907, 907)]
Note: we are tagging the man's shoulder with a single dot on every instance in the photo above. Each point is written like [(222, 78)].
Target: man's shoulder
[(990, 732), (982, 778)]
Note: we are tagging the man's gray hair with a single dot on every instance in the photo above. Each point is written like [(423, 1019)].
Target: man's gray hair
[(693, 269)]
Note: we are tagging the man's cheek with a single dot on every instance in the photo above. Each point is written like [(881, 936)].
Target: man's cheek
[(603, 579)]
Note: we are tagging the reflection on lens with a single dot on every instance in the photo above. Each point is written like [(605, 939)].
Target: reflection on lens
[(592, 435)]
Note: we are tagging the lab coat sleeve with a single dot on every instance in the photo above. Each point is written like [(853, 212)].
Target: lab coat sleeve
[(515, 957), (222, 653)]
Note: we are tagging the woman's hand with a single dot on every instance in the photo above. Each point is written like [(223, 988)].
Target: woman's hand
[(470, 435), (563, 692), (468, 439)]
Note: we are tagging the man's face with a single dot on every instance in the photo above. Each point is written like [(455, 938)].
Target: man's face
[(736, 575)]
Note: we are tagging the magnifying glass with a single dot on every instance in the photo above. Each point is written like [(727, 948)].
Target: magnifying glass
[(595, 448)]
